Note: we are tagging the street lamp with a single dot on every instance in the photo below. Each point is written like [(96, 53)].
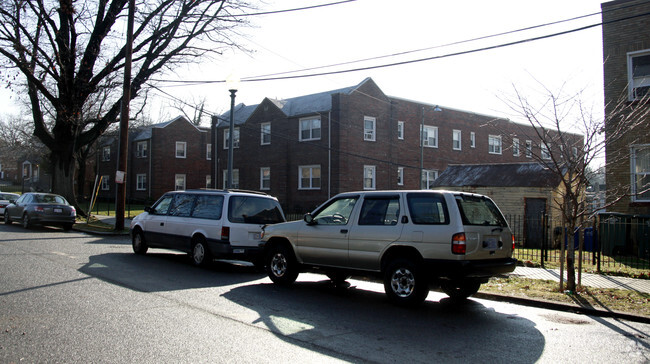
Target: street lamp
[(436, 109), (232, 83)]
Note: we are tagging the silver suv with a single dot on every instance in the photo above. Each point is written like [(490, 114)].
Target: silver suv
[(411, 239), (207, 224)]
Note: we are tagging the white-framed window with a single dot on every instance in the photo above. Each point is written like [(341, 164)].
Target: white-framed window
[(226, 138), (179, 182), (515, 147), (309, 177), (181, 150), (529, 148), (472, 139), (546, 151), (265, 133), (574, 152), (638, 74), (208, 151), (141, 182), (400, 176), (429, 136), (494, 144), (106, 179), (141, 149), (265, 178), (400, 130), (369, 174), (428, 176), (106, 153), (369, 128), (309, 129), (235, 178), (208, 181), (456, 139), (640, 171)]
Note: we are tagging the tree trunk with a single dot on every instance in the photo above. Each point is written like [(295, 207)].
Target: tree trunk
[(63, 172)]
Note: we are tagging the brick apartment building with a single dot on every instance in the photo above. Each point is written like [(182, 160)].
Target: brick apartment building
[(626, 55), (308, 148)]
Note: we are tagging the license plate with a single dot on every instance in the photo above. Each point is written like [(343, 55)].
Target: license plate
[(490, 243), (58, 211)]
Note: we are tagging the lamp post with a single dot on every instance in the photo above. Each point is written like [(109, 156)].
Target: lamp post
[(232, 82)]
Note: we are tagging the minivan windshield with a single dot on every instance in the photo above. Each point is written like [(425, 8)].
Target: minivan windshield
[(478, 210), (254, 210)]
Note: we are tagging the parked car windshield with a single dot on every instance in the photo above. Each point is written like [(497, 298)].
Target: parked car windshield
[(254, 210), (477, 210)]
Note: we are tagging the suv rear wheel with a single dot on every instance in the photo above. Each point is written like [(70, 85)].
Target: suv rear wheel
[(281, 265), (404, 283), (459, 290)]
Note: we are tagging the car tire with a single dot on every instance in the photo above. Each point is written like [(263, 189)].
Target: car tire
[(140, 246), (25, 222), (404, 283), (7, 218), (200, 254), (281, 265), (67, 226), (460, 290)]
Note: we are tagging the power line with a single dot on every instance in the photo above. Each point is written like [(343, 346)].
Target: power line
[(291, 10)]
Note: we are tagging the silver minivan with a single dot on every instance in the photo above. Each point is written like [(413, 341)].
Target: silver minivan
[(410, 239), (207, 224)]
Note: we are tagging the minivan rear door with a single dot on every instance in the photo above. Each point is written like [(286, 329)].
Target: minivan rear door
[(246, 217)]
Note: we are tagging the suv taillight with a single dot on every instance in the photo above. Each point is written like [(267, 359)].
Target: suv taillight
[(513, 242), (225, 233), (458, 245)]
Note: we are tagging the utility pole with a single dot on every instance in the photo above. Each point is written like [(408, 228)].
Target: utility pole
[(120, 175)]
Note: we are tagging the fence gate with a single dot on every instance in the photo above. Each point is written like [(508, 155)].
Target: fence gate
[(533, 216)]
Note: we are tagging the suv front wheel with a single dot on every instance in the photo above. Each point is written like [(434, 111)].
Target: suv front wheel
[(404, 283), (281, 265)]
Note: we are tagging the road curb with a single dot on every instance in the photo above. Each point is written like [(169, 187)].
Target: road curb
[(562, 307), (103, 233)]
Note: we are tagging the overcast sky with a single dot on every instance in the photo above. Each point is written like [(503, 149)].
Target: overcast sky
[(362, 29)]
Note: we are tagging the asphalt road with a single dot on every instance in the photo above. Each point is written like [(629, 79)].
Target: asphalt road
[(71, 297)]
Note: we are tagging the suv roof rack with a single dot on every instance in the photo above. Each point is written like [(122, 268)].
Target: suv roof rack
[(231, 190)]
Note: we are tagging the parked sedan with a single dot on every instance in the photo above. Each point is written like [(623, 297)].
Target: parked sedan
[(41, 208), (4, 200)]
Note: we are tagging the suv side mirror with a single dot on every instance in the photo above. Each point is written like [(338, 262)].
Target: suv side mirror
[(149, 210), (308, 219)]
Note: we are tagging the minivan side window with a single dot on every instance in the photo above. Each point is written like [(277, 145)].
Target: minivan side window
[(254, 210), (428, 208), (208, 207), (182, 205), (380, 211), (162, 206)]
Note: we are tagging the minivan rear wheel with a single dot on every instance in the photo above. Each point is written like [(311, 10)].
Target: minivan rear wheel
[(404, 283), (460, 290), (200, 253)]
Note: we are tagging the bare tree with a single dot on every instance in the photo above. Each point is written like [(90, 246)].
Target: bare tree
[(197, 109), (572, 156), (67, 54)]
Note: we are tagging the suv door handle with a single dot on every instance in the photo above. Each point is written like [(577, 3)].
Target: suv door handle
[(344, 231), (162, 224)]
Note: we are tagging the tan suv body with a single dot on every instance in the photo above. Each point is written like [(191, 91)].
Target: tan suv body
[(412, 239)]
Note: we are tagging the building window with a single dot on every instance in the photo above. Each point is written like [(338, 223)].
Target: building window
[(105, 183), (208, 181), (106, 154), (265, 178), (265, 133), (640, 168), (369, 128), (141, 182), (235, 178), (179, 182), (529, 148), (546, 151), (369, 177), (515, 147), (208, 152), (400, 176), (309, 177), (429, 136), (638, 73), (141, 149), (400, 130), (181, 149), (494, 144), (428, 176), (472, 139), (309, 129), (226, 138), (456, 139)]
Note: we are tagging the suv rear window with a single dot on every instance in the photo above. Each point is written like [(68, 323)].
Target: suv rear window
[(479, 211), (254, 210), (427, 208)]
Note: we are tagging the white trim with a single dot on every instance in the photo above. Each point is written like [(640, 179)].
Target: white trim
[(495, 142), (427, 142), (515, 147), (400, 176), (184, 149), (370, 173), (455, 133), (178, 177), (263, 133), (370, 134), (638, 82), (310, 168), (634, 173), (262, 179), (138, 186), (400, 130), (311, 128)]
